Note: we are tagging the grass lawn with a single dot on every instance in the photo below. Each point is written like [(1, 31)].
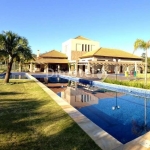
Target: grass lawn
[(138, 82), (1, 70), (143, 75), (31, 120)]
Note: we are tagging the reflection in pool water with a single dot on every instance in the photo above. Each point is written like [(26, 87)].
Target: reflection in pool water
[(125, 117)]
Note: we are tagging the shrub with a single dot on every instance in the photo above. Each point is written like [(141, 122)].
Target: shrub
[(127, 83)]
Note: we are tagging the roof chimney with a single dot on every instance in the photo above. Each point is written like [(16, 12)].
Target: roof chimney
[(38, 53)]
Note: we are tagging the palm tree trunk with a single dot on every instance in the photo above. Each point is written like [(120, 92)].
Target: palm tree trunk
[(9, 66), (20, 67)]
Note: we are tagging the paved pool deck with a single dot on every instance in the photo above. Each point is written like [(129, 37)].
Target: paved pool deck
[(104, 140)]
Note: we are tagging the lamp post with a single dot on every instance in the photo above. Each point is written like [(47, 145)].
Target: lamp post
[(116, 106), (116, 69)]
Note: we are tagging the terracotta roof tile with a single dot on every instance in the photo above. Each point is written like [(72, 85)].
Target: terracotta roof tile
[(54, 54), (81, 38), (107, 52)]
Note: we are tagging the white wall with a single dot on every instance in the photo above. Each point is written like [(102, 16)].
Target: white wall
[(78, 45), (66, 48), (123, 60)]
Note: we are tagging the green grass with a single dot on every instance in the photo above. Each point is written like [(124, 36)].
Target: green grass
[(132, 83), (2, 70), (143, 75), (31, 120)]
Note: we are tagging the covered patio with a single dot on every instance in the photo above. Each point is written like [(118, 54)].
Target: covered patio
[(52, 61), (108, 61)]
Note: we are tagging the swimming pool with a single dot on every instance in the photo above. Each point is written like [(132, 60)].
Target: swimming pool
[(122, 115), (15, 75)]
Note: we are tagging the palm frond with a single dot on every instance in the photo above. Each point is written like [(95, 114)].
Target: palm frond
[(140, 44), (15, 46)]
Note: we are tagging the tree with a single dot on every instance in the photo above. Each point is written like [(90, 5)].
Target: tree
[(143, 45), (14, 47), (143, 55)]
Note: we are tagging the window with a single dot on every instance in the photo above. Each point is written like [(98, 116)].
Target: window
[(88, 48), (81, 98), (82, 47), (85, 47)]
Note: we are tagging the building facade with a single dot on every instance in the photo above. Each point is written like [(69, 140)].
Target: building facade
[(82, 55), (75, 48), (87, 56)]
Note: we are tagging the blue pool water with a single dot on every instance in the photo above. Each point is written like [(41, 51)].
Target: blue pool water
[(53, 79), (122, 115), (16, 75), (126, 122)]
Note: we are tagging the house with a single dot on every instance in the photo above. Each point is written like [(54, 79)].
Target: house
[(87, 56), (81, 54), (51, 61)]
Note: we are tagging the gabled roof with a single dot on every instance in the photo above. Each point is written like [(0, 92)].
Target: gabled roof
[(54, 54), (107, 52), (81, 38)]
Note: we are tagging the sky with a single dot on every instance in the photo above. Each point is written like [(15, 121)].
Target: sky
[(48, 23)]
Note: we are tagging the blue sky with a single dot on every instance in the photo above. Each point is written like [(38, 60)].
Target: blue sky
[(48, 23)]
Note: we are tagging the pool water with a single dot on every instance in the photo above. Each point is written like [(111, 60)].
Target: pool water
[(123, 116), (51, 79), (124, 121), (15, 76)]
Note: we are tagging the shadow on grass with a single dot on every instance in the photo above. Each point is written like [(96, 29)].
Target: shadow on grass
[(10, 93), (16, 81), (16, 115), (39, 125)]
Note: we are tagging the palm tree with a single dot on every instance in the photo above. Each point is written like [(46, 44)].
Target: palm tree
[(143, 45), (13, 46)]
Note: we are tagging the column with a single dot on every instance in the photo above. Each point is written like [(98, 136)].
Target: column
[(76, 68), (80, 69), (69, 66), (116, 69), (103, 69), (88, 69), (46, 68), (135, 66), (58, 68), (128, 69)]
